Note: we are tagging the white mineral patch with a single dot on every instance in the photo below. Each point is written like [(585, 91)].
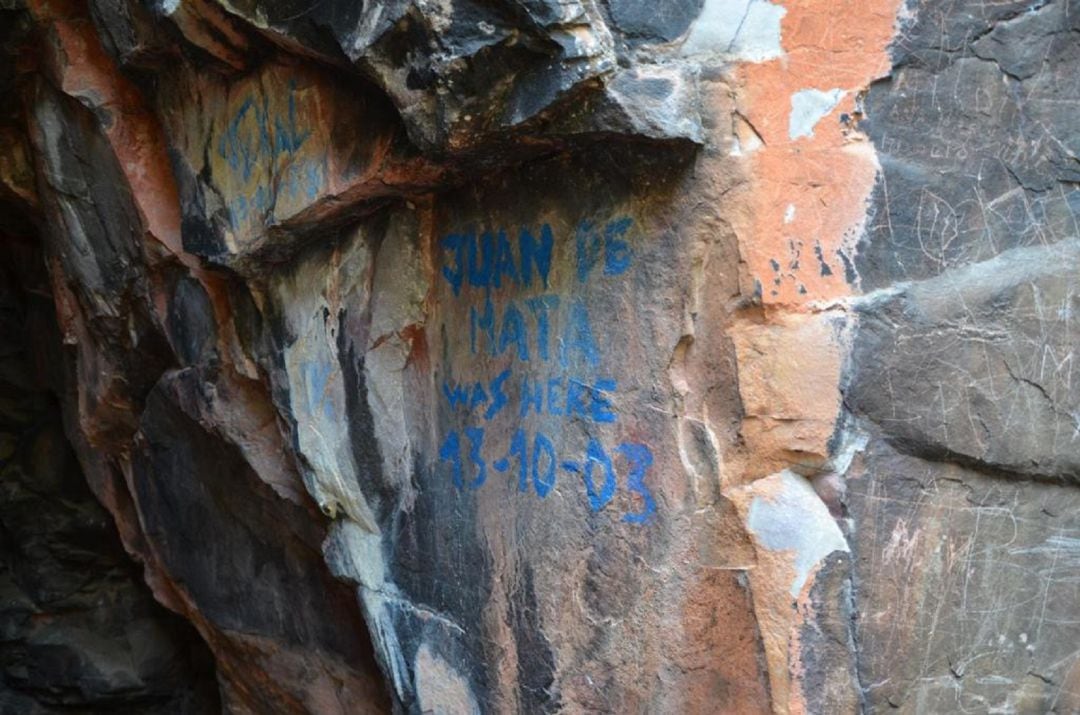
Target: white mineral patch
[(316, 383), (791, 517), (440, 688), (808, 107), (355, 554), (737, 29)]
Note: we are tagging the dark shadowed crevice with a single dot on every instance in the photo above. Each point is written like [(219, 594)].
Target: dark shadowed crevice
[(81, 631)]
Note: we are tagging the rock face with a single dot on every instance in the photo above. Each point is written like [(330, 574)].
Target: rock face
[(961, 371), (80, 630), (485, 357)]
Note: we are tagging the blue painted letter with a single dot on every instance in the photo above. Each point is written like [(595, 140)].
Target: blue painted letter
[(540, 305), (513, 331), (617, 252), (535, 252), (455, 242), (595, 454), (578, 335), (545, 482), (640, 458)]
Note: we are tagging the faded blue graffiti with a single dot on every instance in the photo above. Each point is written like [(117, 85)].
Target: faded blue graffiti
[(246, 145), (256, 137), (316, 377)]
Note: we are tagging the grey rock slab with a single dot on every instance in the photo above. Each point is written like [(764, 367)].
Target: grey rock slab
[(977, 365), (965, 587)]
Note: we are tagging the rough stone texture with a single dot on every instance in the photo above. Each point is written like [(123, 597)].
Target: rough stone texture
[(992, 168), (80, 630), (981, 573), (1000, 353), (465, 73), (487, 357), (961, 371)]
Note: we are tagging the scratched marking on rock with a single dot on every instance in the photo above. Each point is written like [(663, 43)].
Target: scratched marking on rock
[(540, 361)]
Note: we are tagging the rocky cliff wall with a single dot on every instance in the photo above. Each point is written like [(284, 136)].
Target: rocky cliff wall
[(551, 357)]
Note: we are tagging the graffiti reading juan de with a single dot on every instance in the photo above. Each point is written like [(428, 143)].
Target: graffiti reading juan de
[(547, 366)]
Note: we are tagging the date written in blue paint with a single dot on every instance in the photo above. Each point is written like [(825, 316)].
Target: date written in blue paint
[(537, 464)]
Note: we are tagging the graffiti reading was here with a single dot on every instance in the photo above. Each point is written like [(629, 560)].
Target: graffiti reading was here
[(554, 358)]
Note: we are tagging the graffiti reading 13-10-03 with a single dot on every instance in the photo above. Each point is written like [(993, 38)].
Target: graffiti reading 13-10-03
[(537, 367)]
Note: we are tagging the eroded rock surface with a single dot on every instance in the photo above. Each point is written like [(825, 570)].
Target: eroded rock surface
[(491, 357)]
